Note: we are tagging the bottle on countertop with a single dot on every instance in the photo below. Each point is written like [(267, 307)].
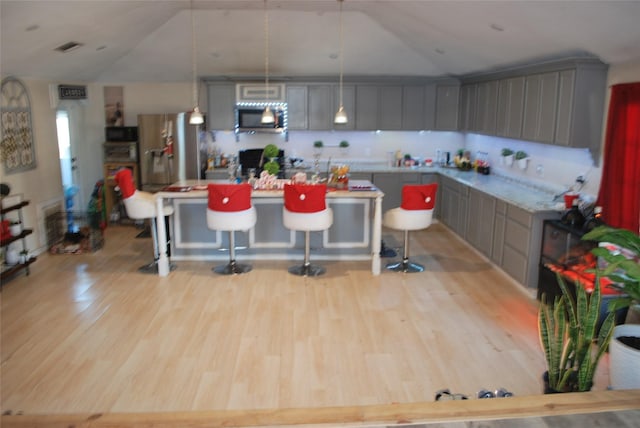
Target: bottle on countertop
[(594, 220), (573, 217)]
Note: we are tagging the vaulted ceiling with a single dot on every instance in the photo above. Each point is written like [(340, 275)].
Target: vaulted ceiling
[(151, 40)]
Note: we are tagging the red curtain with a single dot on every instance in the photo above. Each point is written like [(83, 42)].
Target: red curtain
[(619, 193)]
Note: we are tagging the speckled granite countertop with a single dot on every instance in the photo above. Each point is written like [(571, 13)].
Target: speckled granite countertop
[(528, 196)]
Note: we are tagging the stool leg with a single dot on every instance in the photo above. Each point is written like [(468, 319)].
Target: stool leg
[(405, 265), (307, 269), (232, 267), (153, 266)]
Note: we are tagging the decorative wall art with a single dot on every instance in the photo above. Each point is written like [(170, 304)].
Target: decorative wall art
[(17, 150)]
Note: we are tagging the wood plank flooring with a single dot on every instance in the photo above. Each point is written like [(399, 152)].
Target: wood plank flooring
[(89, 334)]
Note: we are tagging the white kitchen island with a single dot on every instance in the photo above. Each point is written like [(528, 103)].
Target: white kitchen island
[(356, 232)]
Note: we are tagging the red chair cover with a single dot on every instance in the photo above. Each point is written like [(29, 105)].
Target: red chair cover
[(305, 198), (229, 197), (419, 196), (124, 180)]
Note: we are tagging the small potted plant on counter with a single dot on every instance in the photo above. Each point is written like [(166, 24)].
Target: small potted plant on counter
[(317, 147), (344, 147), (506, 156), (522, 159)]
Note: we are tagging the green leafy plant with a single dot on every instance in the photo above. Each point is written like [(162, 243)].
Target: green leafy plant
[(272, 167), (318, 144), (271, 151), (572, 344), (623, 271), (506, 152), (521, 155), (344, 144)]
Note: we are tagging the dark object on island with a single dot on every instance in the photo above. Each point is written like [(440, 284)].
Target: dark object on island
[(574, 216)]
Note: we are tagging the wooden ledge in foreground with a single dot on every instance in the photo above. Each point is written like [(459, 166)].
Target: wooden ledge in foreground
[(426, 412)]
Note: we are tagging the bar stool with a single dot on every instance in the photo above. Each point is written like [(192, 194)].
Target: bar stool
[(229, 208), (141, 206), (415, 213), (305, 209)]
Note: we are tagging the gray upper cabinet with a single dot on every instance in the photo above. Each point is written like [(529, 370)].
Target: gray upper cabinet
[(297, 106), (320, 107), (221, 106), (467, 111), (429, 119), (487, 105), (390, 107), (510, 107), (540, 107), (447, 98), (366, 107), (413, 104)]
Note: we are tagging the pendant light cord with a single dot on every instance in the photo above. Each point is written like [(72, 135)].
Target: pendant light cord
[(266, 49), (341, 50), (193, 56)]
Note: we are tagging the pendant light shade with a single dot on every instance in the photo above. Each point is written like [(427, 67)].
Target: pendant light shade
[(196, 117), (341, 114), (267, 114)]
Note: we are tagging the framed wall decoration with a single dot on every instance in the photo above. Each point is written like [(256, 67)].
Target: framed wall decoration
[(17, 149)]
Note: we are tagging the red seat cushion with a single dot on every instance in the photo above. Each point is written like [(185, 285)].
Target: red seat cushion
[(419, 196), (305, 198), (229, 197), (124, 180)]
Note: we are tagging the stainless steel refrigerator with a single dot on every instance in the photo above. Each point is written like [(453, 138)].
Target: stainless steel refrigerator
[(168, 149)]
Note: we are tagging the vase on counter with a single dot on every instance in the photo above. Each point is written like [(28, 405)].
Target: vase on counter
[(507, 160), (522, 163)]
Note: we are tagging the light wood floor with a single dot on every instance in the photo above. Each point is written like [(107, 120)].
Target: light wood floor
[(89, 334)]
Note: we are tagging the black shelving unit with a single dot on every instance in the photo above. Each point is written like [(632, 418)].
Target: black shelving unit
[(9, 270)]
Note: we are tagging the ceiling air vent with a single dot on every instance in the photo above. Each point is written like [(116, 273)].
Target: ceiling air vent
[(68, 47)]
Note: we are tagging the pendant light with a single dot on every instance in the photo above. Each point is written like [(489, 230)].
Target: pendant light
[(267, 114), (341, 114), (196, 117)]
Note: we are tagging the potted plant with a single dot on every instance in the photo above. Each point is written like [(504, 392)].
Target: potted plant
[(506, 156), (522, 159), (344, 146), (572, 344), (270, 151), (317, 147), (623, 268)]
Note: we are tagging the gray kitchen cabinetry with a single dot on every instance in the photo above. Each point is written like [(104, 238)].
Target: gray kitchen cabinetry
[(378, 107), (453, 211), (541, 92), (320, 107), (467, 110), (480, 221), (510, 107), (499, 224), (413, 107), (447, 99), (366, 107), (221, 103), (487, 105), (297, 107), (391, 185)]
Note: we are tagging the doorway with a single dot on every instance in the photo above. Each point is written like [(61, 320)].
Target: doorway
[(68, 165)]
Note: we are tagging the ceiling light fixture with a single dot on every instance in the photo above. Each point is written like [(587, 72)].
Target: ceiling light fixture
[(267, 114), (196, 117), (341, 114)]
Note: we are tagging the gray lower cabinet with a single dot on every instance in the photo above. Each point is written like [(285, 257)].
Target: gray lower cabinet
[(454, 205), (480, 221), (499, 225), (391, 185)]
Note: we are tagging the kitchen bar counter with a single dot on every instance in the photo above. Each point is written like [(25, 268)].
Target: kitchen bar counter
[(354, 235)]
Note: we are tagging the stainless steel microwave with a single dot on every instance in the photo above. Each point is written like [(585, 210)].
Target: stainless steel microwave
[(121, 133), (248, 118)]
